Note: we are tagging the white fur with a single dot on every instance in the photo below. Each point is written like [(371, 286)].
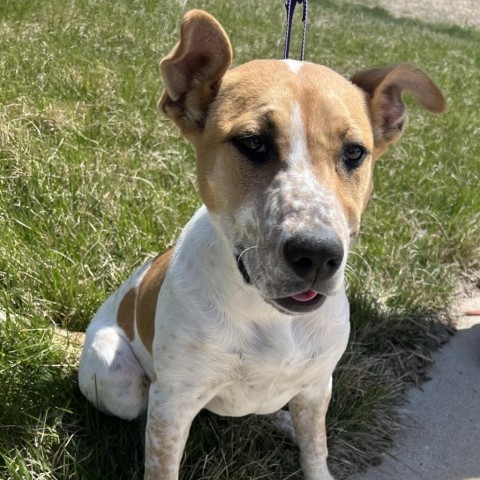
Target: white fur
[(298, 157), (110, 374), (294, 65)]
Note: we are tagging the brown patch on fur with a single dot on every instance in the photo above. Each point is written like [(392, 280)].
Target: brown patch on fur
[(250, 104), (334, 111), (126, 313), (147, 297)]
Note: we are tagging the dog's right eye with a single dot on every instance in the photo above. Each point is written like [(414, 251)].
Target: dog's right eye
[(252, 147)]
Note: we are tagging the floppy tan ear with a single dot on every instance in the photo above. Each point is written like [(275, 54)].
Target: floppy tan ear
[(384, 88), (192, 71)]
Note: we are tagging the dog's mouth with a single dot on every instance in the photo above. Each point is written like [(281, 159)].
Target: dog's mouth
[(302, 302)]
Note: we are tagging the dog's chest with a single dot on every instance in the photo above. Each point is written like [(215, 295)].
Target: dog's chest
[(260, 390), (272, 368)]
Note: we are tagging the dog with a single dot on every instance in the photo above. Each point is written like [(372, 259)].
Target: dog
[(248, 312)]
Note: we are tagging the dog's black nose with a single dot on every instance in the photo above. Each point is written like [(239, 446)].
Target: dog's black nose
[(314, 257)]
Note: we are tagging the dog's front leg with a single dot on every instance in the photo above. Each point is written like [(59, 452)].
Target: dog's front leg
[(308, 410), (168, 424)]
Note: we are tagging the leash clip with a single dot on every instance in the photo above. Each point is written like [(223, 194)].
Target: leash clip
[(290, 7)]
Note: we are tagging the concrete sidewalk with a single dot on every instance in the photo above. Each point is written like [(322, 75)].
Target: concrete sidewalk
[(442, 436)]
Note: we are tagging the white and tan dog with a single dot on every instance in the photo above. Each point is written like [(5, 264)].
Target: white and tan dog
[(248, 312)]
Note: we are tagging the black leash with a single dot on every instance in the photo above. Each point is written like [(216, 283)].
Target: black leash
[(290, 6)]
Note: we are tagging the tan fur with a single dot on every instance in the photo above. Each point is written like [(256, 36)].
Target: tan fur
[(148, 291), (126, 313), (310, 441), (345, 121), (162, 454)]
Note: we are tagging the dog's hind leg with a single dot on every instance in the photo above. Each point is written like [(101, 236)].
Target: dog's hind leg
[(110, 375)]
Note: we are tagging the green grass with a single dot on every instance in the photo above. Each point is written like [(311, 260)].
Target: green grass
[(93, 183)]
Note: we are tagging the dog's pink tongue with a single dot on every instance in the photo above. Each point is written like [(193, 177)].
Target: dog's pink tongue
[(305, 296)]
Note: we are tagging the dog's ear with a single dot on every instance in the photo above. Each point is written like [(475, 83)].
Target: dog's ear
[(384, 88), (193, 70)]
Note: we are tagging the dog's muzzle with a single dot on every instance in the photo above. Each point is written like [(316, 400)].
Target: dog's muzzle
[(310, 261)]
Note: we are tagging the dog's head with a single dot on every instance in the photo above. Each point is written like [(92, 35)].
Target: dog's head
[(285, 154)]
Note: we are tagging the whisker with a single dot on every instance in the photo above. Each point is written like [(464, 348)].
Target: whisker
[(245, 251)]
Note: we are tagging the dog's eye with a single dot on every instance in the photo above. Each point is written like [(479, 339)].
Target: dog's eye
[(251, 146), (353, 155), (253, 143)]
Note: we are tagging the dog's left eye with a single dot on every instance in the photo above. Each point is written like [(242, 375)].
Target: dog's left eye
[(251, 146), (353, 155)]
